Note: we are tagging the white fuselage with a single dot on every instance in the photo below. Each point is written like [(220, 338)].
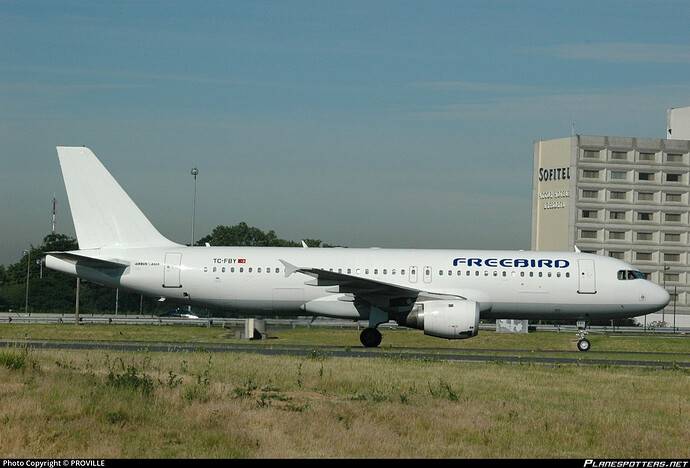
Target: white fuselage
[(258, 280)]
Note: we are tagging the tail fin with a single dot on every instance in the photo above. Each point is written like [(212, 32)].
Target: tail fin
[(103, 214)]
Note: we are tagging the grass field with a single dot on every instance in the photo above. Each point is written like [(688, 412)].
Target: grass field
[(109, 404)]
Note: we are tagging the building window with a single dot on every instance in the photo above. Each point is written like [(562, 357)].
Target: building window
[(645, 176), (671, 277), (586, 234), (618, 255), (672, 237), (590, 194), (645, 196), (619, 175), (643, 256), (671, 257), (590, 174), (644, 216), (644, 236), (591, 154), (672, 217), (590, 214), (615, 195), (673, 197), (674, 177), (647, 156), (619, 155), (674, 157), (616, 214), (617, 235)]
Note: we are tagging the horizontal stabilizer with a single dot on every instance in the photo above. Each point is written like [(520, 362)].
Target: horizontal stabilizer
[(90, 262)]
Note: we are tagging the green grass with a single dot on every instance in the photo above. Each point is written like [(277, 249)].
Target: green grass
[(109, 404)]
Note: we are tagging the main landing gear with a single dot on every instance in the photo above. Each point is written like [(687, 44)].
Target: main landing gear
[(370, 337), (583, 343)]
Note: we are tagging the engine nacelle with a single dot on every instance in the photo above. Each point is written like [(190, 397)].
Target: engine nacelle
[(454, 319)]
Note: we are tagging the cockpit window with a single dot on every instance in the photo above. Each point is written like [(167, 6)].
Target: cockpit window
[(630, 274)]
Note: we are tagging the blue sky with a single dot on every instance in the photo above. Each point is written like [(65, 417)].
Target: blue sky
[(361, 123)]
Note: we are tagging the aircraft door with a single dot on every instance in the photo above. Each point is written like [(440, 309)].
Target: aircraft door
[(587, 279), (171, 272), (413, 274)]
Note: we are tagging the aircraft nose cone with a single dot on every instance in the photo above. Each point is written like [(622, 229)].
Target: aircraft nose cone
[(659, 297)]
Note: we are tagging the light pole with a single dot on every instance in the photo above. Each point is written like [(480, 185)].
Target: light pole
[(194, 172), (663, 311), (28, 269)]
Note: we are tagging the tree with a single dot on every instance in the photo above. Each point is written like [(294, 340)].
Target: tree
[(48, 289), (248, 236)]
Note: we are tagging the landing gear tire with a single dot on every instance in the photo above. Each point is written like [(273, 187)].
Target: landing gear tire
[(583, 345), (370, 337)]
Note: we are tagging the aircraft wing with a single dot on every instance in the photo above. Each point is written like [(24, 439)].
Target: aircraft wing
[(357, 285)]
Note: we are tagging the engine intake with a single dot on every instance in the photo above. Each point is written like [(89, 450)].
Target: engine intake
[(453, 319)]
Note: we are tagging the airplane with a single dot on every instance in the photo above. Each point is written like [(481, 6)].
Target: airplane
[(445, 293)]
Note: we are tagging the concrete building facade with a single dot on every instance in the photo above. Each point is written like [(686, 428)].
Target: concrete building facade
[(622, 197)]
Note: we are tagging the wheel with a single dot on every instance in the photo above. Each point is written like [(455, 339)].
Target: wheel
[(583, 345), (370, 337)]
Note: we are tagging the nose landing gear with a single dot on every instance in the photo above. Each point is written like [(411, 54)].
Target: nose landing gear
[(583, 343)]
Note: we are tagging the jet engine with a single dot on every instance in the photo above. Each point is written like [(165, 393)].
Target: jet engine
[(452, 319)]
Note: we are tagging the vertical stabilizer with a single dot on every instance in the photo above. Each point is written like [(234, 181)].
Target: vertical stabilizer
[(103, 214)]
